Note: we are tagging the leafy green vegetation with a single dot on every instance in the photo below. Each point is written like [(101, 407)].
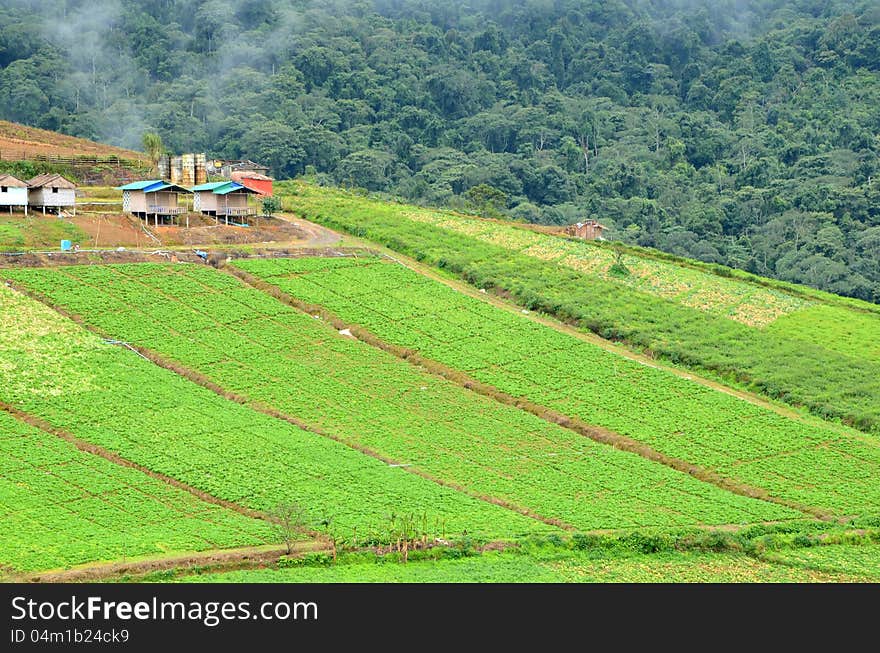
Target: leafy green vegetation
[(742, 133), (811, 373), (806, 461), (858, 561), (61, 507), (25, 170), (111, 397), (549, 565), (252, 344)]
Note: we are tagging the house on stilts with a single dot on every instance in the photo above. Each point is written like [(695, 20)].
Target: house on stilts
[(224, 200), (154, 199), (52, 192), (13, 193)]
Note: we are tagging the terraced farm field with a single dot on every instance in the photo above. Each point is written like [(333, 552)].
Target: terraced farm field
[(859, 561), (577, 567), (60, 507), (263, 350), (719, 322), (804, 461), (109, 396)]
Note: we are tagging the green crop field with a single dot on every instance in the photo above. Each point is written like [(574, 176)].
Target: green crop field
[(254, 345), (807, 461), (713, 320), (109, 396), (859, 561), (62, 507), (578, 567)]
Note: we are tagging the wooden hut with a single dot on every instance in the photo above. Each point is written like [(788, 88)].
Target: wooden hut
[(588, 230), (51, 191), (223, 199), (13, 193), (154, 198)]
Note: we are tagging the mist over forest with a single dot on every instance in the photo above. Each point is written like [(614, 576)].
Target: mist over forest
[(739, 132)]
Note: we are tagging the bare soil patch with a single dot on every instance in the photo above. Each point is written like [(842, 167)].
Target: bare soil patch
[(22, 142), (110, 230), (214, 561)]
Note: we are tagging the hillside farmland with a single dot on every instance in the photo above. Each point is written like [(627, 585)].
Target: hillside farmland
[(792, 458), (257, 347), (108, 396), (385, 406), (712, 320), (55, 498)]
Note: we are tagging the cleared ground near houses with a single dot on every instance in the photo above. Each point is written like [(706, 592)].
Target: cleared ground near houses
[(778, 339), (107, 395), (805, 461), (255, 346)]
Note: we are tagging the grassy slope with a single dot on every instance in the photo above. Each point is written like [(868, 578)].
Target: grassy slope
[(35, 231), (256, 346), (808, 461), (62, 507), (683, 328)]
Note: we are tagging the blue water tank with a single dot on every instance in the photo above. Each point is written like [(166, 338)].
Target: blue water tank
[(66, 245)]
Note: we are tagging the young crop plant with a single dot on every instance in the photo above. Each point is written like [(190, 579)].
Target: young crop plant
[(372, 401)]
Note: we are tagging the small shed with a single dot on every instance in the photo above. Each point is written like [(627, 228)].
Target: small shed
[(255, 181), (588, 230), (51, 191), (13, 193), (227, 167), (226, 199), (154, 197)]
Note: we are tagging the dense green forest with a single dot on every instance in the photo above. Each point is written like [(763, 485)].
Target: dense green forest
[(733, 131)]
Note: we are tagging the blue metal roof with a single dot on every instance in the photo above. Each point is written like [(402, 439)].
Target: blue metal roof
[(140, 185), (211, 186), (233, 186), (152, 186)]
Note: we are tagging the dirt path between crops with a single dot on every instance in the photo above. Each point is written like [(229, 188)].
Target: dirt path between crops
[(314, 234), (108, 232), (213, 561)]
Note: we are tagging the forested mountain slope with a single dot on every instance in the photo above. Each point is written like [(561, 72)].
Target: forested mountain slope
[(743, 133)]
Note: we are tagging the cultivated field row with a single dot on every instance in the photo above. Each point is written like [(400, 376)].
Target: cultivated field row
[(255, 346), (62, 507), (791, 343), (109, 396), (802, 461)]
